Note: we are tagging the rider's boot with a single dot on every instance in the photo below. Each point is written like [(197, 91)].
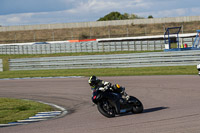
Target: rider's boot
[(125, 95)]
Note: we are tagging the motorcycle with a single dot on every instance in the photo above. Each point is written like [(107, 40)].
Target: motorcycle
[(198, 68), (111, 104)]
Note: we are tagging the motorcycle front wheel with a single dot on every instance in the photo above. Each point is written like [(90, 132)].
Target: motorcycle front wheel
[(138, 106), (106, 109)]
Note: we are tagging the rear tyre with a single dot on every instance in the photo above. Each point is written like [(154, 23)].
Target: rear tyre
[(106, 109)]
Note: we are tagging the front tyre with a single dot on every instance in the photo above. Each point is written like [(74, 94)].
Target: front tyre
[(138, 106), (106, 109)]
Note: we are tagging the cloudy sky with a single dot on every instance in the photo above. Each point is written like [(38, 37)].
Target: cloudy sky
[(28, 12)]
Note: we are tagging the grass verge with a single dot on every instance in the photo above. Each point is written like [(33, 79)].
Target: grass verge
[(16, 109), (166, 70)]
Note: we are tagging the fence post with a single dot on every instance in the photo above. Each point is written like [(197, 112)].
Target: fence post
[(121, 46), (115, 46), (127, 31), (164, 29), (109, 34), (72, 34), (128, 46), (135, 49), (53, 37), (90, 33), (92, 46), (15, 38), (109, 48), (182, 29), (34, 37)]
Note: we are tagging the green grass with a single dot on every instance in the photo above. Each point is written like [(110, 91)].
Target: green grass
[(172, 70), (16, 109)]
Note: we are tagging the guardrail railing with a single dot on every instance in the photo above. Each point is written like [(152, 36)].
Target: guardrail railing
[(93, 46), (82, 47), (108, 61)]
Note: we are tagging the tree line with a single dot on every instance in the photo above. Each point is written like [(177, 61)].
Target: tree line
[(119, 16)]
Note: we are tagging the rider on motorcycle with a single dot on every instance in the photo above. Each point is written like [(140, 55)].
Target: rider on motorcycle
[(97, 84)]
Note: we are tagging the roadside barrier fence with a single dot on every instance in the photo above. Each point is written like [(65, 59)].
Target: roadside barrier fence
[(92, 46), (148, 59)]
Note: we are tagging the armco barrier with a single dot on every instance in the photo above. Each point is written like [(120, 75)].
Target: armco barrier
[(108, 61), (1, 65), (92, 45), (74, 47)]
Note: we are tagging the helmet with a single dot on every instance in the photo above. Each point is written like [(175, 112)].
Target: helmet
[(93, 80)]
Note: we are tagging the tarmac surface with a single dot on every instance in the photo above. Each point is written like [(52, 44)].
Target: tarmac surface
[(171, 105)]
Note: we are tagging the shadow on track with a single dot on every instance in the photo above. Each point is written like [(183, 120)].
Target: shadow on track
[(154, 109), (149, 110)]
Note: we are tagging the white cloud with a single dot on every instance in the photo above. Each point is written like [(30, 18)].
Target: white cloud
[(97, 6), (171, 13), (195, 10), (93, 6), (91, 10), (14, 20)]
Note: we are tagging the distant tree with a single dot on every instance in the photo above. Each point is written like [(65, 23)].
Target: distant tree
[(134, 16), (126, 15), (118, 16), (112, 16), (150, 16)]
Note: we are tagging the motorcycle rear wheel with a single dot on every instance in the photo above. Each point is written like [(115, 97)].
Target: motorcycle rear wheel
[(106, 109)]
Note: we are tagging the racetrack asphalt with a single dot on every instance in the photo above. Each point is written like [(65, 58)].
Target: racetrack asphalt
[(171, 105)]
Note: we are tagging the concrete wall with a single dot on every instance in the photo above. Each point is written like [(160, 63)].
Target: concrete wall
[(100, 23)]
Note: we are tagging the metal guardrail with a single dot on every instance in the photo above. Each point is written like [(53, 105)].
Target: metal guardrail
[(1, 65), (64, 47), (82, 47), (108, 61)]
